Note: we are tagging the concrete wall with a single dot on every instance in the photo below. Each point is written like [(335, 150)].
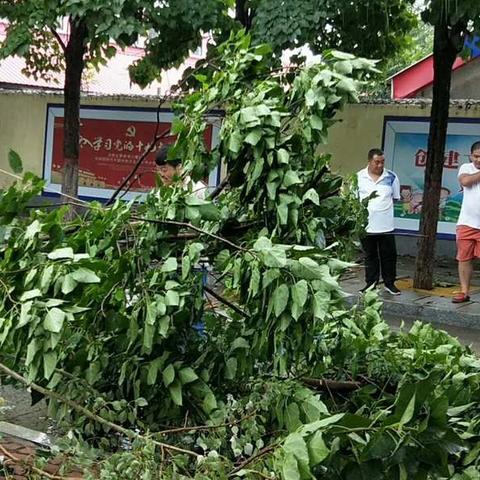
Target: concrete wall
[(23, 123), (361, 128), (465, 81)]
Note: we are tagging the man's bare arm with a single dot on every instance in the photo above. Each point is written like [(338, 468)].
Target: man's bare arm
[(469, 179)]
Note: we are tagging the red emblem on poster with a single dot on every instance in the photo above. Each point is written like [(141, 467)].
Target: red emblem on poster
[(109, 149)]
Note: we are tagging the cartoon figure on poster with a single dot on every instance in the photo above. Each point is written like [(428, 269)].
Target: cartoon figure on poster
[(406, 152)]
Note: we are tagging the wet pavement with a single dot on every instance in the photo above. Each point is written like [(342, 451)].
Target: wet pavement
[(432, 306)]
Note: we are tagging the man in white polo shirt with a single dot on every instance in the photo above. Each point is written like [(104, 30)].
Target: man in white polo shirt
[(468, 224), (379, 241)]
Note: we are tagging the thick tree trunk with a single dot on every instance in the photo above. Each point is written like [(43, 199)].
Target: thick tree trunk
[(445, 51), (74, 62), (243, 14)]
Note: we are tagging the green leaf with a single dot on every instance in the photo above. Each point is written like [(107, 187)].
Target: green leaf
[(320, 424), (15, 162), (290, 468), (316, 122), (172, 299), (175, 390), (300, 292), (32, 349), (209, 402), (61, 253), (25, 315), (271, 276), (455, 411), (295, 445), (231, 368), (34, 228), (153, 371), (282, 156), (291, 178), (168, 375), (170, 265), (46, 277), (254, 136), (141, 402), (311, 195), (317, 449), (235, 142), (280, 299), (84, 275), (292, 417), (54, 319), (380, 447), (239, 342), (28, 295), (68, 284), (187, 375), (49, 363), (407, 415)]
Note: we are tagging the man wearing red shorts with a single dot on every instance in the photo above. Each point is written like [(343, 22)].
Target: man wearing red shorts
[(468, 225)]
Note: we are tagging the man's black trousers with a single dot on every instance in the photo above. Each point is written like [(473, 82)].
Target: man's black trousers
[(380, 257)]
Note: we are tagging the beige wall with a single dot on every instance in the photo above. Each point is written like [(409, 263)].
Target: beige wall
[(23, 123), (23, 117), (361, 128)]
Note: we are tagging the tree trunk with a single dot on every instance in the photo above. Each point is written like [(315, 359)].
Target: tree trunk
[(445, 50), (74, 62), (243, 14)]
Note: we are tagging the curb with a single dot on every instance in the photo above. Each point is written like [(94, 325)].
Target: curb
[(421, 310)]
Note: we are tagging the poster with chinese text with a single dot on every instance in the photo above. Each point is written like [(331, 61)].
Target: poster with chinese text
[(111, 142)]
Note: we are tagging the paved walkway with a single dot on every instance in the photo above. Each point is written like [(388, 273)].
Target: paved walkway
[(18, 458), (433, 306)]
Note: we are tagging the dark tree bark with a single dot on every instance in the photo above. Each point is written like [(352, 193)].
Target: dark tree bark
[(448, 42), (74, 63), (243, 14)]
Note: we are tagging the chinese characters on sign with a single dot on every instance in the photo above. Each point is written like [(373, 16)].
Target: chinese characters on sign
[(451, 159), (405, 146), (109, 149)]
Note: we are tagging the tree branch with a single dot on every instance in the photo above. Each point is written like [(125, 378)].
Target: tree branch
[(59, 39), (219, 189), (252, 459), (333, 385), (192, 227), (205, 427), (92, 416), (224, 301)]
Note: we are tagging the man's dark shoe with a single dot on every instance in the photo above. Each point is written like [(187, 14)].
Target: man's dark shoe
[(372, 286), (392, 290)]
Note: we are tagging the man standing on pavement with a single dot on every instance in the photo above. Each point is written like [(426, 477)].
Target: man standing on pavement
[(379, 241), (468, 224)]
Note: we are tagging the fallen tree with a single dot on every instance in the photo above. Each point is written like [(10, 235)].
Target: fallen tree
[(109, 317)]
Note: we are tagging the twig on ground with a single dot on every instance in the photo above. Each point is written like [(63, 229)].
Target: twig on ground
[(253, 459), (89, 414), (205, 427)]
